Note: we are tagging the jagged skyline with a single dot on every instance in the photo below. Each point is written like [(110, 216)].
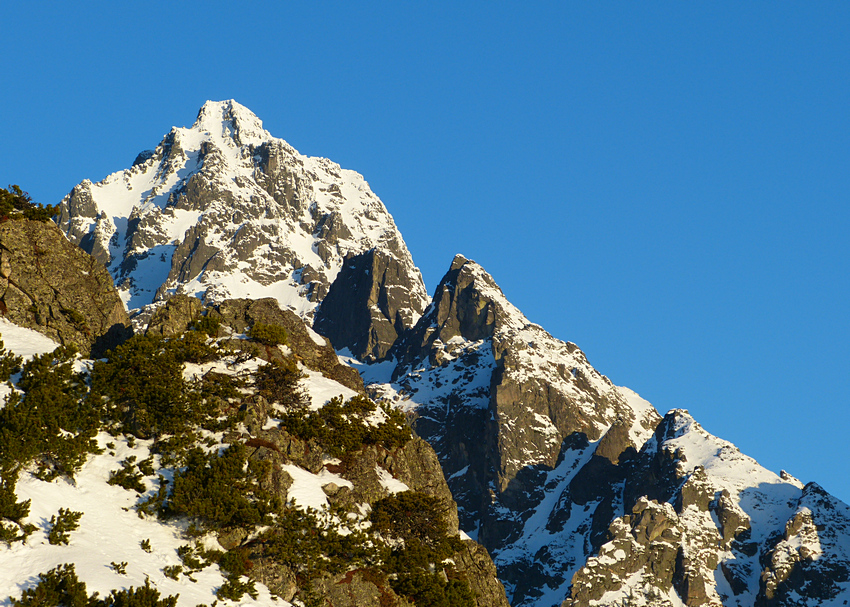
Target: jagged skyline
[(660, 187)]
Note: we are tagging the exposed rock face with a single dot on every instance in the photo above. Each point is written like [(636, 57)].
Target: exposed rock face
[(369, 305), (175, 317), (717, 530), (48, 284), (512, 413), (223, 210), (312, 349)]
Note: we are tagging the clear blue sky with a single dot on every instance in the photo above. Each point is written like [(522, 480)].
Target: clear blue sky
[(664, 184)]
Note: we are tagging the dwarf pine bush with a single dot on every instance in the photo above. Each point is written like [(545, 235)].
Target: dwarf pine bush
[(52, 423), (222, 491), (17, 204), (277, 382), (417, 521), (9, 363), (268, 335), (341, 427), (62, 524), (142, 385), (61, 587), (12, 512)]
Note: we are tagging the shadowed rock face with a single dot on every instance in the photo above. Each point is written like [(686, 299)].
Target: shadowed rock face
[(49, 285), (369, 305)]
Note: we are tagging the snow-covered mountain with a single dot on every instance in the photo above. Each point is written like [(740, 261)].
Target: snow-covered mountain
[(223, 209), (580, 490)]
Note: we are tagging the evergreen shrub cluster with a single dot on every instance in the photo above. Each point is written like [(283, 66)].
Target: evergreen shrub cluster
[(341, 427), (52, 423), (417, 523), (62, 524), (268, 335), (277, 382), (9, 363), (61, 587), (222, 491), (209, 325), (17, 204), (130, 475), (12, 512), (141, 384)]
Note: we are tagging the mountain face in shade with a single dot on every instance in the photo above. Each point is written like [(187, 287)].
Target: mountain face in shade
[(222, 209), (580, 490)]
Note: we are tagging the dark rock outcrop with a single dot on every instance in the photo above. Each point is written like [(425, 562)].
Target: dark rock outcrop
[(50, 285), (175, 316), (369, 305)]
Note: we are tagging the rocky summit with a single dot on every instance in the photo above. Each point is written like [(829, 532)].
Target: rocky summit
[(580, 491), (222, 209)]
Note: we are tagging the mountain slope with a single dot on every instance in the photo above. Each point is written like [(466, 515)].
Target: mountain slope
[(514, 414), (581, 491), (183, 510)]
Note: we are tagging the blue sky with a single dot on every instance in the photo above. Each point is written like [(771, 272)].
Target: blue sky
[(664, 184)]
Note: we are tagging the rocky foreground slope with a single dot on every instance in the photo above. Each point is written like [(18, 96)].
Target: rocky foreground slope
[(224, 455), (579, 489)]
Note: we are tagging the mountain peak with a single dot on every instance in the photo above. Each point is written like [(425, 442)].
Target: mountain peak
[(231, 119), (223, 210)]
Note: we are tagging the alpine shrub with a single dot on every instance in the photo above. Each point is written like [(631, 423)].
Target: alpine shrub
[(341, 427), (61, 587), (9, 363), (208, 325), (62, 525), (268, 335), (12, 512), (222, 491), (142, 384), (52, 422), (17, 204), (277, 382), (131, 479)]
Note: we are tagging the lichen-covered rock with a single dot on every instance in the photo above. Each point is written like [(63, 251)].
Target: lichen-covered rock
[(49, 285), (310, 348), (358, 588), (175, 316)]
